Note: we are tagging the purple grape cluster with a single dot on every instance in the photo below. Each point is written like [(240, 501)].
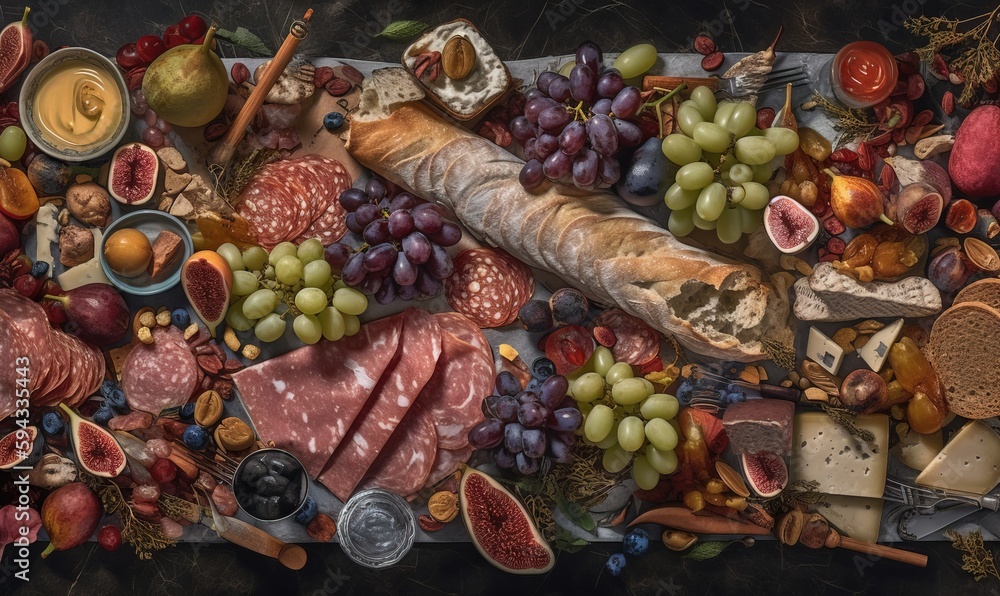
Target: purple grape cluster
[(526, 425), (403, 255), (573, 127)]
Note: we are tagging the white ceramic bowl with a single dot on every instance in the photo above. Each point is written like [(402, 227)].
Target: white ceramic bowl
[(30, 86)]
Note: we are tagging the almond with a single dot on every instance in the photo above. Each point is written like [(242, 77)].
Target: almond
[(458, 57)]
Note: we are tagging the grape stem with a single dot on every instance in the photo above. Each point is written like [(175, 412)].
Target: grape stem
[(656, 104), (578, 110)]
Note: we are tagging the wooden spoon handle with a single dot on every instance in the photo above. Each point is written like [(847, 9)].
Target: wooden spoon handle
[(885, 552), (673, 82)]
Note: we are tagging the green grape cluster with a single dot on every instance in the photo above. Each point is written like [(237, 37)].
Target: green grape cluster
[(290, 282), (725, 161), (623, 415)]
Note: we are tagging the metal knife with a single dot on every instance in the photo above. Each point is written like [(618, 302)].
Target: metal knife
[(915, 526)]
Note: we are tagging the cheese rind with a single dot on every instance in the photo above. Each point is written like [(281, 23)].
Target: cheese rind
[(969, 463), (825, 452)]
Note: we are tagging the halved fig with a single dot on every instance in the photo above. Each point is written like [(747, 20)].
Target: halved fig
[(766, 473), (790, 225), (96, 450), (207, 281), (133, 173), (17, 447), (918, 207)]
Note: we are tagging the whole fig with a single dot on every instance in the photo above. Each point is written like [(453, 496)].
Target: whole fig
[(70, 515)]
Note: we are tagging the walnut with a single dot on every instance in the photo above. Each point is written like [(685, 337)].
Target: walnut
[(52, 471), (76, 245), (89, 203)]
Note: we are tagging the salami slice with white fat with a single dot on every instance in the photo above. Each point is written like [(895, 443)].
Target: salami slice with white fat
[(29, 320), (406, 461), (159, 375), (489, 286), (454, 395), (447, 462), (635, 341), (467, 331)]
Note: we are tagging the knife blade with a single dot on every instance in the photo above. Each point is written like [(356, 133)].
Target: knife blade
[(991, 523), (915, 526)]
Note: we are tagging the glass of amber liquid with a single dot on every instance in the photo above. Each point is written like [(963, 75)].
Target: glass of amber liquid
[(863, 74)]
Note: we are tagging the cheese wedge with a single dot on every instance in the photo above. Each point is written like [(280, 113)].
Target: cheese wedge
[(969, 463), (857, 517), (823, 451)]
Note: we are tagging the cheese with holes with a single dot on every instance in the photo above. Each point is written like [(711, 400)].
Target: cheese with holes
[(917, 450), (857, 517), (970, 462), (825, 452)]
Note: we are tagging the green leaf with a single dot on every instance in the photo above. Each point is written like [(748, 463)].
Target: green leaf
[(244, 38), (566, 542), (706, 550), (576, 514), (400, 30)]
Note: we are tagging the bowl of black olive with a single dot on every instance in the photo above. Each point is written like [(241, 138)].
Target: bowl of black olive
[(270, 485)]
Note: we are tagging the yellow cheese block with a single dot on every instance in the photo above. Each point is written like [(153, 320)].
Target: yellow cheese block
[(917, 450), (970, 462), (857, 517), (823, 451)]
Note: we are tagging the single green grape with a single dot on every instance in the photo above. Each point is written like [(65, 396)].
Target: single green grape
[(588, 387), (317, 274), (751, 220), (339, 284), (232, 255), (310, 300), (244, 283), (254, 258), (705, 99), (616, 459), (711, 202), (660, 434), (694, 176), (646, 477), (619, 371), (270, 328), (678, 198), (711, 137), (307, 328), (332, 323), (628, 392), (236, 319), (350, 301), (756, 197), (567, 68), (737, 194), (664, 462), (703, 224), (603, 361), (631, 433), (681, 223), (13, 142), (741, 120), (599, 423), (680, 149), (611, 440), (755, 151), (785, 140), (352, 324), (722, 113), (740, 173), (636, 60), (281, 250), (687, 118), (659, 405), (259, 304), (730, 227), (310, 250), (288, 270), (762, 173)]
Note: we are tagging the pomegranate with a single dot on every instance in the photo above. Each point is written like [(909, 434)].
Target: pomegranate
[(15, 50)]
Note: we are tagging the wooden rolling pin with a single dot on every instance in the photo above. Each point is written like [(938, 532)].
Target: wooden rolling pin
[(882, 551), (649, 82), (224, 149)]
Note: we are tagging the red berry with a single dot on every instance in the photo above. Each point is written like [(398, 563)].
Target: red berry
[(110, 538), (52, 287), (192, 27), (149, 47), (28, 286), (163, 471), (127, 57), (172, 37), (55, 312)]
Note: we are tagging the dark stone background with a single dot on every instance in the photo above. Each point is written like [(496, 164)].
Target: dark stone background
[(517, 29)]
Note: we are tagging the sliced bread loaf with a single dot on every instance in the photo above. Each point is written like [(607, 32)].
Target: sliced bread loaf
[(986, 291), (964, 349), (828, 295)]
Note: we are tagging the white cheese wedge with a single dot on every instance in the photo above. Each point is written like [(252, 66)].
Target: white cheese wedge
[(824, 351), (970, 462), (917, 450), (86, 273), (857, 517), (824, 452), (876, 351), (45, 234)]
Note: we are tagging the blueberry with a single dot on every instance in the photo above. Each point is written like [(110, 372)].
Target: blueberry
[(53, 424), (180, 318), (196, 437), (636, 542), (615, 564), (543, 368), (39, 269), (103, 415), (308, 511), (533, 385), (116, 400), (333, 121), (186, 412), (107, 387)]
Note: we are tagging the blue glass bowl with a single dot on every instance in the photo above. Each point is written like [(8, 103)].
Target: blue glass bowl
[(150, 222)]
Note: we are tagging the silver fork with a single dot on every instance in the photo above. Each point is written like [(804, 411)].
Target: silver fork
[(744, 85), (920, 497)]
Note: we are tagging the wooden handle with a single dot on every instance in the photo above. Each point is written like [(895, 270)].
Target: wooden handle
[(253, 538), (779, 392), (885, 552), (223, 151), (673, 82)]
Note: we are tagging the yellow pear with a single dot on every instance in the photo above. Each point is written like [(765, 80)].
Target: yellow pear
[(187, 85)]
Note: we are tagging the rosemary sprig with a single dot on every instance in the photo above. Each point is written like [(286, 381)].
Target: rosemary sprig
[(799, 492), (852, 123), (229, 182), (978, 561), (144, 536), (849, 422)]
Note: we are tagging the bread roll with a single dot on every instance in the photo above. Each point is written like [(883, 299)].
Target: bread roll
[(590, 239)]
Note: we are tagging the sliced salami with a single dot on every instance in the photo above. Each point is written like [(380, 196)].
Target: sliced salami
[(269, 209), (489, 286), (406, 461), (397, 390), (30, 322), (306, 400), (635, 342), (159, 375), (10, 350), (454, 395), (329, 227), (466, 330), (446, 462)]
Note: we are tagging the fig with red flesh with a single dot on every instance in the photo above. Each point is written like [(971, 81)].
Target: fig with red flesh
[(790, 225), (917, 208), (15, 50), (961, 217), (207, 281), (133, 173), (856, 201), (500, 527), (70, 515), (98, 313), (18, 446), (911, 171), (766, 473), (96, 450)]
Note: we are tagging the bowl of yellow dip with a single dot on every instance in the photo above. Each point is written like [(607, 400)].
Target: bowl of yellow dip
[(74, 105)]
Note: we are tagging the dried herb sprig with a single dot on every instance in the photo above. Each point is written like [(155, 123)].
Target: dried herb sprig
[(851, 122), (798, 493), (782, 354), (230, 181), (976, 560), (848, 420), (979, 62), (144, 536)]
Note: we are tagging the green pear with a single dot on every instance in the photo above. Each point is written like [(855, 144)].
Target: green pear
[(187, 85)]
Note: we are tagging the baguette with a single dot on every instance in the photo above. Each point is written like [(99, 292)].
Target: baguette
[(590, 239)]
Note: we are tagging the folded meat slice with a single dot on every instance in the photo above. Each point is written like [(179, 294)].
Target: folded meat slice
[(306, 400), (406, 461), (412, 367)]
